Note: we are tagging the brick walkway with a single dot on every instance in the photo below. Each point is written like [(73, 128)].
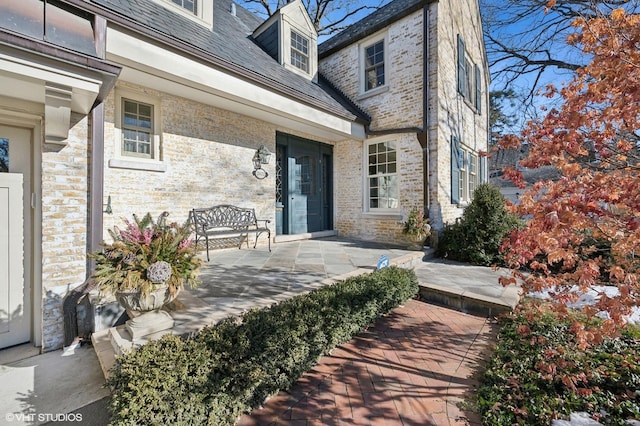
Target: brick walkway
[(412, 368)]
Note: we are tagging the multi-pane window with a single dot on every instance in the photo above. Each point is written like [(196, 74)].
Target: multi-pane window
[(190, 5), (463, 177), (382, 166), (299, 51), (469, 79), (374, 66), (473, 173), (137, 129), (467, 172)]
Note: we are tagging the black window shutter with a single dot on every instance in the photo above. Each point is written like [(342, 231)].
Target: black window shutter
[(455, 170), (478, 100), (462, 77)]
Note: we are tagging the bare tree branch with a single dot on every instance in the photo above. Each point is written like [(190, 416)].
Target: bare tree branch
[(328, 16), (525, 39)]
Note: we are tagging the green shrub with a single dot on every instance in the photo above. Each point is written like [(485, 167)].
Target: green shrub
[(539, 373), (477, 236), (230, 368)]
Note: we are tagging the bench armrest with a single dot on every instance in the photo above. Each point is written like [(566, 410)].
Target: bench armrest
[(266, 221)]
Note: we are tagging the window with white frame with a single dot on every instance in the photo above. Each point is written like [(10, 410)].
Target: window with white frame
[(473, 173), (189, 5), (382, 175), (467, 171), (469, 78), (137, 129), (373, 57), (299, 51), (199, 11)]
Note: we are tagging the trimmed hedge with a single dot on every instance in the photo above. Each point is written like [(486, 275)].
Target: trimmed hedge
[(232, 367)]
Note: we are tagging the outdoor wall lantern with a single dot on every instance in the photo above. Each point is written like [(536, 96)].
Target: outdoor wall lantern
[(259, 158), (108, 209)]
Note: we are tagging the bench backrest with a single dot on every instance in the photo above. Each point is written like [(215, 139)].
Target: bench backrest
[(223, 216)]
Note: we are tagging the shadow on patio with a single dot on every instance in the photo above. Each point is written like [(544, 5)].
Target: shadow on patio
[(234, 281)]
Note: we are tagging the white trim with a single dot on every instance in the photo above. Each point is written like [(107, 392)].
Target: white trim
[(120, 160), (362, 46), (365, 176), (178, 75), (204, 11)]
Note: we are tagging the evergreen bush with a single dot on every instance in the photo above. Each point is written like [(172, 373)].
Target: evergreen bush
[(539, 372), (476, 237), (224, 370)]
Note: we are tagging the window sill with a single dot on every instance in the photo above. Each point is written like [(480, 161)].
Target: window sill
[(150, 166), (373, 92), (382, 216)]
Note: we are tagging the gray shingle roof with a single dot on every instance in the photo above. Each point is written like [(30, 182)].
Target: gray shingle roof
[(370, 24), (229, 41)]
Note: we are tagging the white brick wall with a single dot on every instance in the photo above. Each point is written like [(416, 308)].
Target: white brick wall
[(400, 106), (64, 227), (207, 154)]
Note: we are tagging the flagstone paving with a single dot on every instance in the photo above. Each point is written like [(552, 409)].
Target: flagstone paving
[(414, 367)]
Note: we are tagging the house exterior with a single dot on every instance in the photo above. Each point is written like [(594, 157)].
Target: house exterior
[(115, 107)]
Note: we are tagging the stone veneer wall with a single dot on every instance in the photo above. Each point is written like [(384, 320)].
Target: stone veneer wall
[(399, 105), (451, 114), (207, 153), (352, 219), (64, 227)]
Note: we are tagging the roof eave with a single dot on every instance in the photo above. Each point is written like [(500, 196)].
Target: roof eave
[(366, 32)]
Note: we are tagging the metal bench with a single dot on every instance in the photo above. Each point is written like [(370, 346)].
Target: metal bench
[(225, 220)]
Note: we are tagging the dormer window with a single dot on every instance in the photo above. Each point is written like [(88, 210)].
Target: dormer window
[(200, 11), (299, 51), (189, 5), (289, 37)]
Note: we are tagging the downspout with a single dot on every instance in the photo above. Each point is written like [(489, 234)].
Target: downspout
[(78, 320), (96, 176), (422, 133), (423, 137)]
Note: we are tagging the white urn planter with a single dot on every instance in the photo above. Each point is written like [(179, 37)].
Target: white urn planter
[(145, 311)]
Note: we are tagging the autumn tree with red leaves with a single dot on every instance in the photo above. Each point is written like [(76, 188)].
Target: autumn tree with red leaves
[(583, 228)]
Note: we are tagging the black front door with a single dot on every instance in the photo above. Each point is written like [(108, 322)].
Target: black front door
[(305, 185)]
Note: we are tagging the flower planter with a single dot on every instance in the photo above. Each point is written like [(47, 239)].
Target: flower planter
[(134, 301), (416, 242)]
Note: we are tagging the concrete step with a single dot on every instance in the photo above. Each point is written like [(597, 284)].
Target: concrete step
[(466, 288), (101, 341), (469, 302)]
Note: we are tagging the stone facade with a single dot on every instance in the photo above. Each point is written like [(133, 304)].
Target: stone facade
[(451, 114), (206, 153), (399, 106), (64, 226)]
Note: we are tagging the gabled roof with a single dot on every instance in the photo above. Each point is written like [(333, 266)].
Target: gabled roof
[(228, 45), (381, 18)]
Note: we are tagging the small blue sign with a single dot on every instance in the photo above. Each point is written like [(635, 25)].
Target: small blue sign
[(383, 262)]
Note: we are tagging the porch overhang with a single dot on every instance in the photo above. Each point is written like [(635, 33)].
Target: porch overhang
[(176, 74), (61, 81)]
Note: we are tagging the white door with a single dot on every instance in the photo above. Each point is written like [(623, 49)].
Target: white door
[(15, 184)]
